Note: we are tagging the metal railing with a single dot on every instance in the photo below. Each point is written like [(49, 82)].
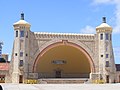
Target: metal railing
[(64, 75)]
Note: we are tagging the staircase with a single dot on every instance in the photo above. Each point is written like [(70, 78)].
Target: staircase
[(62, 80)]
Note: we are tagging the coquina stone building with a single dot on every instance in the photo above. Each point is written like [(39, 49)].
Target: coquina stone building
[(37, 55)]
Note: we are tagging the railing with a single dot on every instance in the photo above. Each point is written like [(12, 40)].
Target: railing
[(63, 75), (46, 75), (75, 75)]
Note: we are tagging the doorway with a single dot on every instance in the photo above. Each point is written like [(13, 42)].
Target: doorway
[(107, 78), (21, 79), (58, 74)]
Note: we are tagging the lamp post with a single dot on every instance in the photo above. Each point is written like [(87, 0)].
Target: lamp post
[(1, 43)]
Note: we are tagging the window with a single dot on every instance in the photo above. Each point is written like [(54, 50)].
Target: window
[(106, 36), (101, 55), (15, 54), (107, 55), (21, 54), (2, 78), (21, 33), (16, 33), (110, 37), (107, 63), (27, 34), (21, 62), (101, 36)]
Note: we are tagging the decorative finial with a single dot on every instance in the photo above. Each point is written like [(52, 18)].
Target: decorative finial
[(22, 16), (104, 19)]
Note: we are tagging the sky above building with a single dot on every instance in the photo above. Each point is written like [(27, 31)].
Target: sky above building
[(63, 16)]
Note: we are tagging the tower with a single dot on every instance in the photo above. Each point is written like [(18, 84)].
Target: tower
[(106, 58), (1, 43), (21, 50)]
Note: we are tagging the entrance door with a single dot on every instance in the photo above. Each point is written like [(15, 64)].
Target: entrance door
[(107, 78), (21, 79), (58, 74)]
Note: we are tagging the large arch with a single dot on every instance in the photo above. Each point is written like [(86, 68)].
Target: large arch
[(79, 52)]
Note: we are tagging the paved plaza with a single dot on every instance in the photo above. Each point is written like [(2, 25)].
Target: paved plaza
[(61, 86)]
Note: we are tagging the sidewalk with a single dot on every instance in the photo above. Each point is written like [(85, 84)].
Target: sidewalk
[(60, 86)]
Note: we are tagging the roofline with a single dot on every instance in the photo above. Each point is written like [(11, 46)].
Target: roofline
[(63, 33)]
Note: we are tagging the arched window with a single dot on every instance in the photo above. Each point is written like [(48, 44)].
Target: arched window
[(107, 64), (16, 33), (101, 36), (21, 54), (21, 63), (106, 36), (22, 33), (110, 37)]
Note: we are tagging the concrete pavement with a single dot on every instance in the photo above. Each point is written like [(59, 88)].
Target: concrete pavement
[(60, 86)]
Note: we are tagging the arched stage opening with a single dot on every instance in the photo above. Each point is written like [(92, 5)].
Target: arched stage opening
[(63, 60)]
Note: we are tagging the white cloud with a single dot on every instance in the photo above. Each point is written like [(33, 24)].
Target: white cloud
[(102, 1), (117, 51), (88, 30), (116, 28), (117, 17)]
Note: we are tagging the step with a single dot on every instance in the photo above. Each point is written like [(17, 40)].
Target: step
[(63, 80)]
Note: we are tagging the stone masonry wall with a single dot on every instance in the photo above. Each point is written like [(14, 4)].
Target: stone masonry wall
[(39, 41)]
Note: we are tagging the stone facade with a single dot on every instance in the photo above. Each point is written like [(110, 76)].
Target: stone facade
[(29, 47)]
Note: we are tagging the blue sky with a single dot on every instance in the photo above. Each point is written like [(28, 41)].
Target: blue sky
[(71, 16)]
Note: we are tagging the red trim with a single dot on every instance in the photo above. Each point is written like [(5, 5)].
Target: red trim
[(2, 76), (4, 66)]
